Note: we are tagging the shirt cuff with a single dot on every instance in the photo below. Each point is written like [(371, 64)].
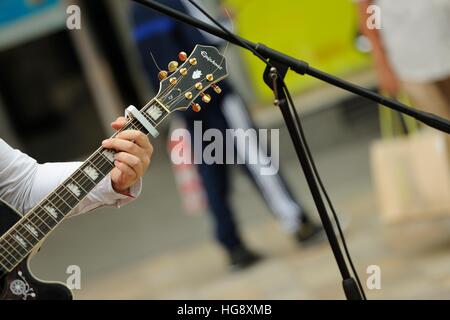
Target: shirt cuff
[(104, 195), (120, 199)]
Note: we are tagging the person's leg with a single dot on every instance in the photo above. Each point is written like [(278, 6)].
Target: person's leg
[(216, 184), (215, 180), (273, 187)]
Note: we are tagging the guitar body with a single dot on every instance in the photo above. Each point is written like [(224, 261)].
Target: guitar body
[(20, 283)]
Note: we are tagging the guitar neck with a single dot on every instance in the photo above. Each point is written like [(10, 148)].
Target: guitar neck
[(19, 241), (204, 67)]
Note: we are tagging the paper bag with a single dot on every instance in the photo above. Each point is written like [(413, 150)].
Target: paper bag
[(411, 176)]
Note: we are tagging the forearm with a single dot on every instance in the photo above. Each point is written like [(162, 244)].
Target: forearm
[(49, 175), (372, 34), (24, 182), (388, 81)]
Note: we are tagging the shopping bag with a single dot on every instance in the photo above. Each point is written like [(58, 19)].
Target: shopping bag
[(411, 176), (410, 169)]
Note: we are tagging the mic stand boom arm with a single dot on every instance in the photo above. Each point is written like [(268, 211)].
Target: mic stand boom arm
[(274, 79), (302, 67)]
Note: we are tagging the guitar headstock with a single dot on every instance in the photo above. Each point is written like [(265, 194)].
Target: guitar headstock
[(184, 83)]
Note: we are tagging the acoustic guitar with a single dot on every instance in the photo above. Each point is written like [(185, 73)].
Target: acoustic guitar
[(22, 235)]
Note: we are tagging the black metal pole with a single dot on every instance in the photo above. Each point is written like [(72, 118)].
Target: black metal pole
[(351, 289), (302, 67), (350, 286), (284, 62)]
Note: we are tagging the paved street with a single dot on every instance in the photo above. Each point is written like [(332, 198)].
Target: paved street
[(151, 250)]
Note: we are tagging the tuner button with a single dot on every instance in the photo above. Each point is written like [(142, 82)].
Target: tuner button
[(188, 95), (172, 66), (183, 71), (193, 61), (173, 80), (196, 107), (162, 75), (198, 86), (206, 97), (217, 89), (182, 56), (209, 77)]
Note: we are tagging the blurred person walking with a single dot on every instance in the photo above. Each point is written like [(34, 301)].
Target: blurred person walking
[(159, 35), (411, 50)]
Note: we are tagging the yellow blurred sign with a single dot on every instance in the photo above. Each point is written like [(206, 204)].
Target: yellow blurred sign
[(321, 33)]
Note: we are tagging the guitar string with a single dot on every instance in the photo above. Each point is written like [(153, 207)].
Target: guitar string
[(182, 77), (32, 219), (172, 103), (61, 198), (20, 249), (93, 158), (62, 195), (213, 72), (74, 177), (181, 96)]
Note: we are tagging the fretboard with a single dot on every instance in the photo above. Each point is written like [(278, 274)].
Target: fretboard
[(19, 241)]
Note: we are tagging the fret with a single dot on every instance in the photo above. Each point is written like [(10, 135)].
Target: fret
[(49, 211), (68, 197), (20, 249), (97, 170), (80, 181), (33, 226), (43, 225), (108, 155), (7, 252), (76, 189), (69, 207), (90, 172), (7, 265), (105, 167), (25, 238), (33, 229), (4, 264), (18, 242), (135, 126), (56, 201)]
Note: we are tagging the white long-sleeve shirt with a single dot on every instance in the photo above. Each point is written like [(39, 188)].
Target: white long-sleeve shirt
[(24, 182)]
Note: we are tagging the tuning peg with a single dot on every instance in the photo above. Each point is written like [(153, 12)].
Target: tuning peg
[(193, 61), (196, 107), (198, 86), (188, 95), (172, 66), (162, 75), (209, 77), (173, 80), (216, 88), (183, 71), (205, 97), (182, 56)]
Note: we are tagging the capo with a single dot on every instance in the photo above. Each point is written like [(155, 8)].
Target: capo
[(131, 110)]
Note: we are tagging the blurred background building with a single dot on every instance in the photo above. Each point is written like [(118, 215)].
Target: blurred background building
[(60, 89)]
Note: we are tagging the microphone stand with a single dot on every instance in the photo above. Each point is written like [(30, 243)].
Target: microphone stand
[(273, 77)]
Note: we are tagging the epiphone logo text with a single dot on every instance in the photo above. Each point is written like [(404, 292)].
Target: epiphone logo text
[(208, 58)]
